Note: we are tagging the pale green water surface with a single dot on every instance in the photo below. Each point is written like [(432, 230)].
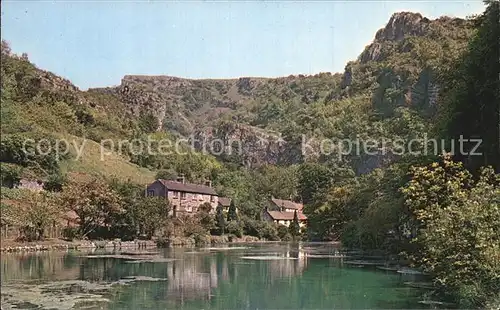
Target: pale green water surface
[(254, 276)]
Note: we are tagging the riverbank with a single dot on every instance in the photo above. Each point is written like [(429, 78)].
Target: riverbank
[(10, 246), (59, 244)]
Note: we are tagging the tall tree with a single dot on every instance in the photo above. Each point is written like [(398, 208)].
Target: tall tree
[(220, 221), (314, 180), (152, 214), (231, 214), (93, 201), (295, 226), (473, 89), (41, 212)]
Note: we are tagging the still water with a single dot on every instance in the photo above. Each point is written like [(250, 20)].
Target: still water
[(254, 276)]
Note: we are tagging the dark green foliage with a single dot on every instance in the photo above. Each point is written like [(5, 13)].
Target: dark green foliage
[(283, 233), (148, 123), (168, 174), (205, 207), (231, 214), (314, 181), (10, 175), (143, 216), (55, 182), (294, 227), (206, 219), (455, 214), (37, 151), (220, 221), (259, 229), (473, 94), (152, 214), (235, 228)]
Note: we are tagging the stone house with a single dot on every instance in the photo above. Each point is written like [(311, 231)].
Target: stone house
[(281, 212), (185, 198)]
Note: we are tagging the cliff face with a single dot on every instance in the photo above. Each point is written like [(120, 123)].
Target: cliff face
[(404, 48), (402, 25), (180, 105), (187, 106), (398, 69), (405, 25), (399, 27)]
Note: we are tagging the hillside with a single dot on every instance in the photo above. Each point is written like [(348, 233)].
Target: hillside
[(391, 84), (393, 79)]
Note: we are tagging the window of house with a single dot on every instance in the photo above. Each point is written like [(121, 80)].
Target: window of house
[(183, 195), (175, 194), (212, 198), (151, 192)]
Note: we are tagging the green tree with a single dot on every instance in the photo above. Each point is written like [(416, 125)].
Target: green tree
[(314, 180), (55, 182), (126, 224), (232, 215), (472, 92), (206, 219), (152, 215), (295, 226), (235, 228), (220, 220), (166, 174), (284, 233), (10, 175), (94, 202), (205, 207), (458, 238), (40, 212)]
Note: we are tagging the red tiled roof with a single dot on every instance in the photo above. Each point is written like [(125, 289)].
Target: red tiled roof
[(224, 201), (287, 204), (285, 216), (188, 187)]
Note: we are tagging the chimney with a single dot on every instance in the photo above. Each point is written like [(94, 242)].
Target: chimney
[(181, 179), (208, 183)]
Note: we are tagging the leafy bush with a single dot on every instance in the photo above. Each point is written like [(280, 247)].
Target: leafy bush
[(282, 231), (457, 237), (235, 228), (55, 182), (10, 175), (70, 233)]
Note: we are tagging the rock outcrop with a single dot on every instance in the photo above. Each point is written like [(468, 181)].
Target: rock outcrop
[(400, 26)]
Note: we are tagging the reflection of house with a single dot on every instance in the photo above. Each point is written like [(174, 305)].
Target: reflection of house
[(187, 282), (184, 197), (289, 267), (282, 212), (191, 278)]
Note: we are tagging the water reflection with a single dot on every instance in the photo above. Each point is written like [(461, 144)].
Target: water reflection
[(195, 276), (222, 278), (37, 266)]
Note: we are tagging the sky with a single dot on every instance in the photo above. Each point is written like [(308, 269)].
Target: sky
[(96, 43)]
